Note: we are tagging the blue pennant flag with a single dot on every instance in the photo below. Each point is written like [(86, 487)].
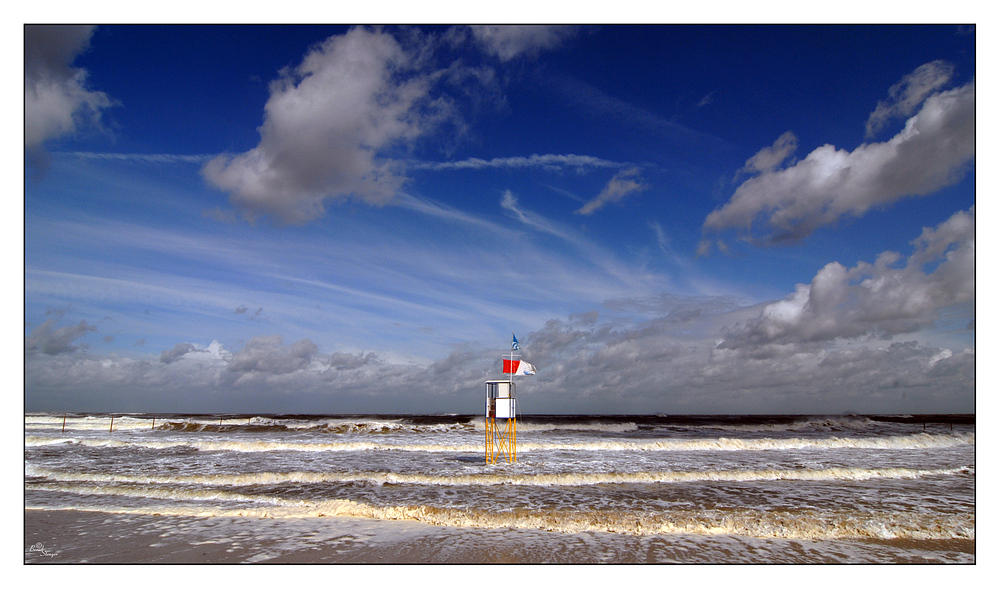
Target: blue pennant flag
[(514, 346)]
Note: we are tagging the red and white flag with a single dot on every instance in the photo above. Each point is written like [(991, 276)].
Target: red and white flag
[(518, 368)]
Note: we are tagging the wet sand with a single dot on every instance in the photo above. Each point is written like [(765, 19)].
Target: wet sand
[(65, 536)]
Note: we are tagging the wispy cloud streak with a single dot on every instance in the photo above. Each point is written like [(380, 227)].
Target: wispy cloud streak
[(158, 158), (548, 161)]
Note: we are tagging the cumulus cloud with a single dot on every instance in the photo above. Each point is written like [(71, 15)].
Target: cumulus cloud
[(56, 100), (47, 340), (266, 354), (669, 361), (621, 185), (346, 361), (508, 42), (328, 125), (932, 151), (881, 299), (175, 354), (769, 158), (909, 93), (251, 315)]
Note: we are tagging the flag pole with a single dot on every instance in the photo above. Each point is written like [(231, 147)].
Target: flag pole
[(512, 340)]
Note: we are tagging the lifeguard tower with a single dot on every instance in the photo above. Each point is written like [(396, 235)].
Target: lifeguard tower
[(501, 409)]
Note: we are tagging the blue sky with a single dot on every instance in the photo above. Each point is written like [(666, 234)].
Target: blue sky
[(673, 219)]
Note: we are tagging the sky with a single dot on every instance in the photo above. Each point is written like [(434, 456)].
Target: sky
[(332, 219)]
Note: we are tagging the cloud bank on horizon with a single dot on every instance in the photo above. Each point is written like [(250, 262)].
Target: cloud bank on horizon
[(426, 190)]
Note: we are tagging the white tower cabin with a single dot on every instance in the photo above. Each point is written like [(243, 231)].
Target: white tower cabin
[(501, 408), (501, 421)]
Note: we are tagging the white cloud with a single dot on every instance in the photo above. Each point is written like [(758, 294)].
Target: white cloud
[(328, 126), (57, 102), (668, 362), (47, 339), (346, 361), (931, 152), (908, 94), (621, 185), (155, 158), (769, 158), (176, 353), (671, 364), (509, 202), (267, 354), (881, 299), (510, 41), (547, 161), (600, 105)]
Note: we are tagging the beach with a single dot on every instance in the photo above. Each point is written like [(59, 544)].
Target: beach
[(100, 538), (584, 490)]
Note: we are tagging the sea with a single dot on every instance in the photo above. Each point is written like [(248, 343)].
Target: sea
[(583, 489)]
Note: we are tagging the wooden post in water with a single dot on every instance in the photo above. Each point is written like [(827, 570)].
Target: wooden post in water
[(112, 423), (154, 424), (64, 423)]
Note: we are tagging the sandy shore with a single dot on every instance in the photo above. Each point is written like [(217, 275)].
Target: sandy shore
[(65, 536)]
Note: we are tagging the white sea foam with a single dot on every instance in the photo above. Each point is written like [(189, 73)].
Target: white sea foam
[(535, 480), (823, 478), (913, 441), (800, 524), (528, 426), (126, 422)]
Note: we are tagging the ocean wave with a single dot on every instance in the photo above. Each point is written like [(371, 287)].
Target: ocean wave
[(251, 424), (907, 442), (490, 479), (253, 446), (813, 424), (797, 524), (528, 426)]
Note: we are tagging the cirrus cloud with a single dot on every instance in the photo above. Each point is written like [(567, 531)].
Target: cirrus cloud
[(549, 161), (621, 185)]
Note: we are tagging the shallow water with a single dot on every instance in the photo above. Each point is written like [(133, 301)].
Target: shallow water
[(632, 488)]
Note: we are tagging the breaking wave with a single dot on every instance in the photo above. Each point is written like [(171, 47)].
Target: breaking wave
[(821, 424), (913, 441), (785, 524), (536, 480)]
